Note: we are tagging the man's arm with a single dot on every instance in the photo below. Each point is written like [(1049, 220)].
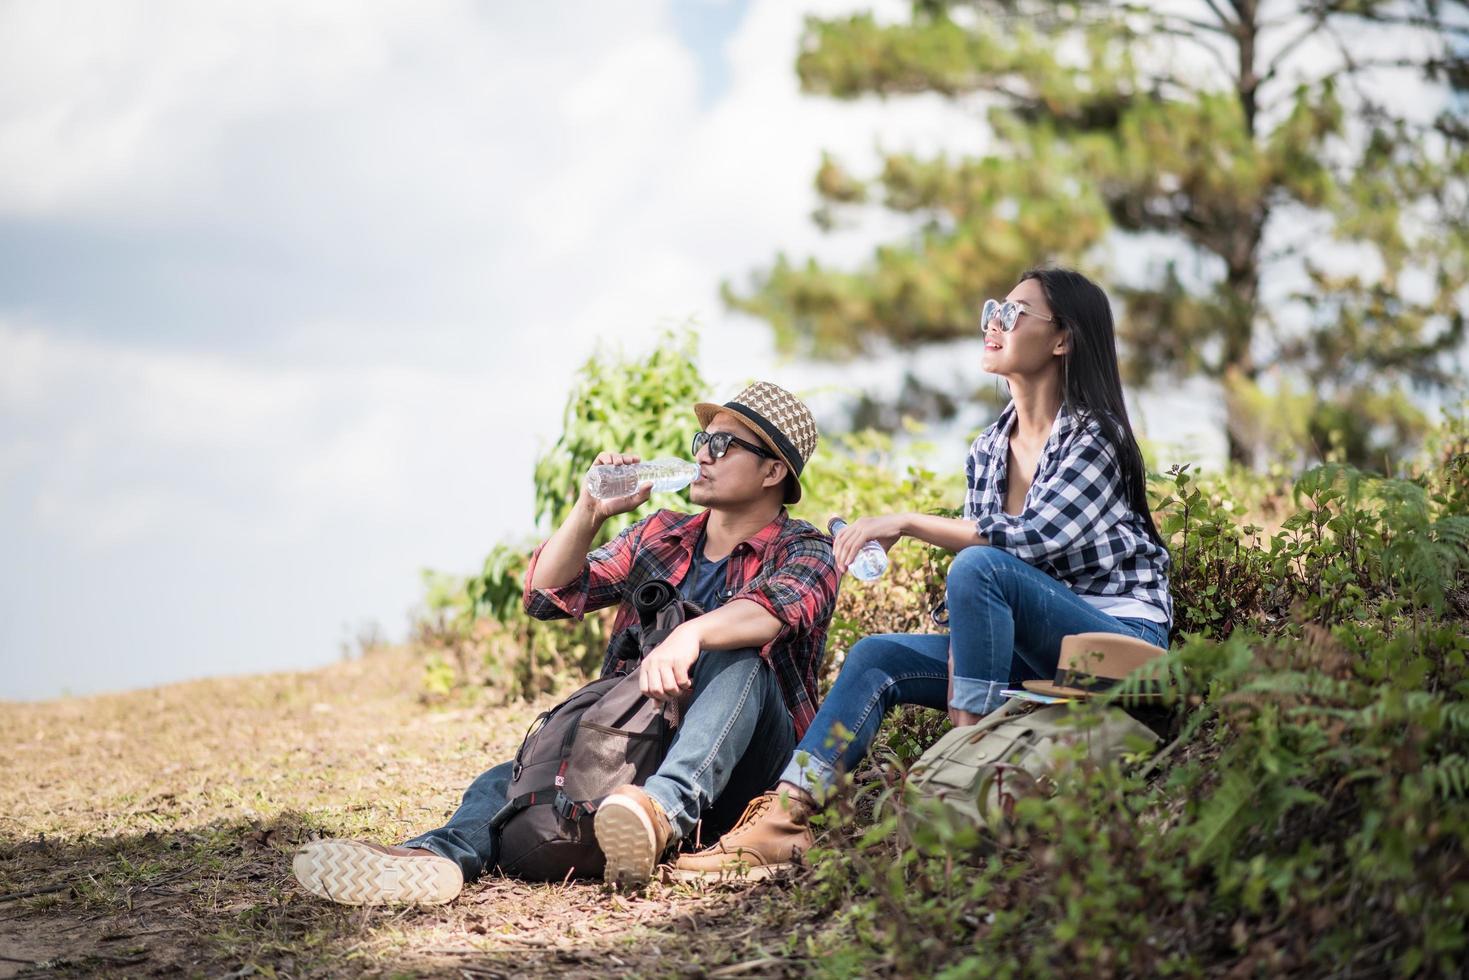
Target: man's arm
[(739, 623), (799, 593), (563, 580), (565, 553)]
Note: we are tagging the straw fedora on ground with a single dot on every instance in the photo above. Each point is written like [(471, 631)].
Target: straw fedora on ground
[(780, 419), (1094, 663)]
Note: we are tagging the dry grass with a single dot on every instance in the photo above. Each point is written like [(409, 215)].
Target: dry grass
[(151, 833)]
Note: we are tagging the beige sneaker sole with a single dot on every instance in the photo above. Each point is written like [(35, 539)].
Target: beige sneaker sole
[(627, 838), (349, 872)]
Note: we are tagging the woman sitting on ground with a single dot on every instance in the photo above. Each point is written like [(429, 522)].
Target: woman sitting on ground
[(1056, 539)]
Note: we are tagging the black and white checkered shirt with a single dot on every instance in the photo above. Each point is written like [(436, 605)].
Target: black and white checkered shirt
[(1076, 525)]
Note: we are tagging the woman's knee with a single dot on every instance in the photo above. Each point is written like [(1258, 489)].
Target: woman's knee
[(979, 565), (867, 673), (981, 559), (865, 654)]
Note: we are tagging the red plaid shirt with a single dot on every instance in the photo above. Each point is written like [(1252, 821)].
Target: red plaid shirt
[(786, 567)]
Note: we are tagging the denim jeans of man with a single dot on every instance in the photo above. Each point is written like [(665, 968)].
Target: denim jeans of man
[(734, 737), (1006, 622)]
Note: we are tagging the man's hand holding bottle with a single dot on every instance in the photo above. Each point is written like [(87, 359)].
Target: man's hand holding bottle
[(600, 510)]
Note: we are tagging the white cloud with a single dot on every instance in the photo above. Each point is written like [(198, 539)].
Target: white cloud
[(216, 440)]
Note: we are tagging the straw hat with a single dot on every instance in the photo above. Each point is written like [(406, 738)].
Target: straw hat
[(1093, 663), (780, 419)]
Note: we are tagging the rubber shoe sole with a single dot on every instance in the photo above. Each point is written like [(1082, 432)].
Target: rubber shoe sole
[(349, 872), (735, 872), (627, 838)]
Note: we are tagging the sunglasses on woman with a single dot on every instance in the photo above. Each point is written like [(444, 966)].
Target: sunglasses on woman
[(719, 443), (1009, 313)]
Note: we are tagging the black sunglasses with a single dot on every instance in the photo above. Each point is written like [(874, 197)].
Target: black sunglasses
[(719, 443)]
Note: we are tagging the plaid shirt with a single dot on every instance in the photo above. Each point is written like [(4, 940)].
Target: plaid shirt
[(1076, 525), (787, 568)]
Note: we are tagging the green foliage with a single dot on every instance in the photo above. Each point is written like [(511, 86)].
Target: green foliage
[(1220, 127), (1358, 547)]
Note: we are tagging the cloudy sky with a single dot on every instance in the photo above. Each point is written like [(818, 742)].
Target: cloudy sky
[(291, 294)]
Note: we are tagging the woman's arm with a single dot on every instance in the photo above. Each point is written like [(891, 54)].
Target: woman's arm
[(949, 533)]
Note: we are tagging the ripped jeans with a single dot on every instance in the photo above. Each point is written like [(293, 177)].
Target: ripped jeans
[(1006, 622)]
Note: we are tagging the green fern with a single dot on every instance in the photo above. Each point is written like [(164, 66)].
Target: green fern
[(1449, 777), (1302, 684), (1217, 822), (1456, 717), (1394, 707)]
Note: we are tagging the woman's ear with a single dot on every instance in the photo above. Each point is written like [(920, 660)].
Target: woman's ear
[(1063, 344)]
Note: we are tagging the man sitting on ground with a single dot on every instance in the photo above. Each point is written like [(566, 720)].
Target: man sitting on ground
[(745, 670)]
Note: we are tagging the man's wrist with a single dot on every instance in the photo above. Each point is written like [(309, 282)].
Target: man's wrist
[(586, 516), (691, 630)]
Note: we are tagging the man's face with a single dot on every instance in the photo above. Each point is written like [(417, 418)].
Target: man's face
[(738, 477)]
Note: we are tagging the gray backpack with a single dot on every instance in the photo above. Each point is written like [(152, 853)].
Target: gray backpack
[(606, 735), (980, 771)]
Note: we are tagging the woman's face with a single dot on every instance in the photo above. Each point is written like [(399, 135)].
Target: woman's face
[(1032, 348)]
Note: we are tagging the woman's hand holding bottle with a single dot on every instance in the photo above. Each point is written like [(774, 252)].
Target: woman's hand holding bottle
[(885, 529)]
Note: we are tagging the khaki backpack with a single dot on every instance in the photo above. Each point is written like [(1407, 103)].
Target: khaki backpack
[(981, 770)]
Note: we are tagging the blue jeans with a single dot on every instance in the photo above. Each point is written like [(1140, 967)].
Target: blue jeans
[(1006, 622), (735, 735)]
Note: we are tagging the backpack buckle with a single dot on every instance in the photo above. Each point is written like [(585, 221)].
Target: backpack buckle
[(571, 810)]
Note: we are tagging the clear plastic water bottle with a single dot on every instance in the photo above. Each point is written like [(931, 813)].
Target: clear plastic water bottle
[(606, 482), (870, 562)]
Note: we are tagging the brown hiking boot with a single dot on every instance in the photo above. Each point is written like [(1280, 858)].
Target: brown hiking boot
[(354, 872), (770, 837), (633, 832)]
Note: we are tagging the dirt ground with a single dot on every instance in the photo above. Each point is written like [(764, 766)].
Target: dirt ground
[(151, 833)]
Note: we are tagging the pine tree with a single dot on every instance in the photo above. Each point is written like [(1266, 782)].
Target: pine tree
[(1318, 218)]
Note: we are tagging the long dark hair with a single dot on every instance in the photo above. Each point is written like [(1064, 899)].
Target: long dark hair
[(1091, 385)]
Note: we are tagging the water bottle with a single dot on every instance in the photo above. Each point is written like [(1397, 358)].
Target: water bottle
[(870, 562), (606, 482)]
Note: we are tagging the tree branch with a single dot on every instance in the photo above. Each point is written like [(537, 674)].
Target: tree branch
[(1436, 25), (1213, 52), (1232, 26), (1348, 63), (1288, 48), (1163, 19), (1424, 65)]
